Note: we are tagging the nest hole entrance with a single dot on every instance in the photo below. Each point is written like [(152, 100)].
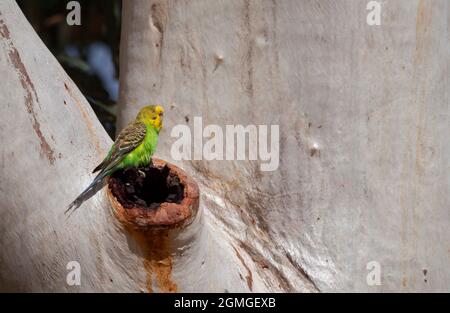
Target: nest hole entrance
[(146, 187)]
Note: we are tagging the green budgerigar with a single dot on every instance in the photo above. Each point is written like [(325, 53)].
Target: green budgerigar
[(133, 147)]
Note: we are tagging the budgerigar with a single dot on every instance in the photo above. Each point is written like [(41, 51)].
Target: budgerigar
[(133, 147)]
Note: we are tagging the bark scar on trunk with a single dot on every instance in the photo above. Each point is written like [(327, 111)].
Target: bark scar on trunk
[(159, 16), (154, 203), (28, 86)]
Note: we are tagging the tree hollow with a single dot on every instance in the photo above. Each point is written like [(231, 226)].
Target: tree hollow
[(159, 196)]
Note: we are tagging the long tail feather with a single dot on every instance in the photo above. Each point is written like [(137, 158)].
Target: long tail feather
[(98, 183), (98, 167)]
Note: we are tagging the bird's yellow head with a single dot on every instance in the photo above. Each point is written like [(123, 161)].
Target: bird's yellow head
[(152, 115)]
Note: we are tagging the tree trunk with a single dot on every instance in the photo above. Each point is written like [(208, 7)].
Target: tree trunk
[(363, 174), (51, 140), (363, 115)]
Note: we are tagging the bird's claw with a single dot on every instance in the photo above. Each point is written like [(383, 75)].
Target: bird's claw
[(141, 173)]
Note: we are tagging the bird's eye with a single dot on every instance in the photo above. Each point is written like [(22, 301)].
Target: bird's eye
[(154, 118)]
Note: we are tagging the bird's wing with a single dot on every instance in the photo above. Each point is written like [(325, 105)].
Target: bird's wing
[(127, 140)]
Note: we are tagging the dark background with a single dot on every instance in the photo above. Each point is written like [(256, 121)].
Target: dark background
[(84, 51)]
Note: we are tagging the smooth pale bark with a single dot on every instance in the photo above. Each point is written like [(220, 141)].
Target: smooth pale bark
[(50, 141), (363, 112)]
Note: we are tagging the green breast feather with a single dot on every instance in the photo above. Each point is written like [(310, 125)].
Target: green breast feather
[(141, 156)]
